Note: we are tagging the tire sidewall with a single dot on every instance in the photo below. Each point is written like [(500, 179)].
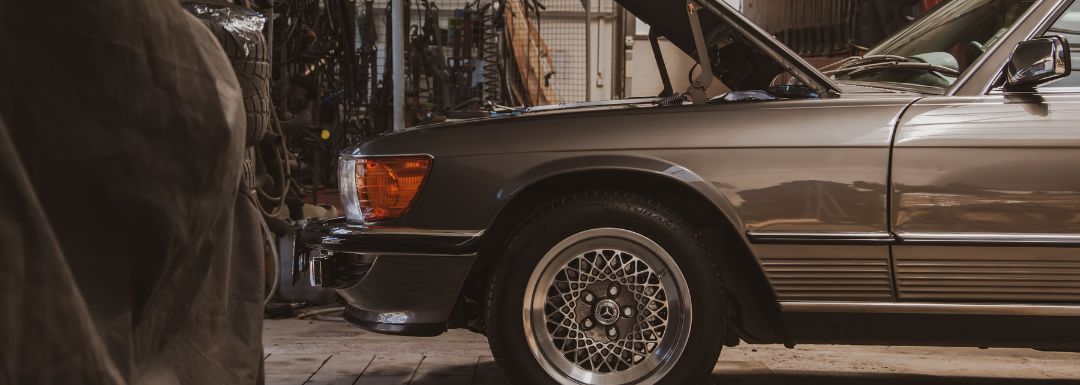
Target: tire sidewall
[(597, 210)]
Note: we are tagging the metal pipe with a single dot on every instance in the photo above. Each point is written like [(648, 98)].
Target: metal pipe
[(397, 49), (588, 50), (618, 53)]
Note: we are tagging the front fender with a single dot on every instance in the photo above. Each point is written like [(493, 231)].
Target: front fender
[(469, 192), (619, 162)]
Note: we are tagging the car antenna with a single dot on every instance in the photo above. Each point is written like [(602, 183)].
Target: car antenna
[(701, 84)]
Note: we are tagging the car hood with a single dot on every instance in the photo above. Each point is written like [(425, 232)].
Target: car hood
[(745, 57), (851, 92)]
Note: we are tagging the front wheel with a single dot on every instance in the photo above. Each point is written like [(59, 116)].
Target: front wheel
[(606, 288)]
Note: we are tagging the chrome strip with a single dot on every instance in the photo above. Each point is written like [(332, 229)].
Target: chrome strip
[(603, 103), (930, 308), (350, 201), (983, 239), (423, 232), (408, 254), (854, 238), (912, 238), (356, 154), (1045, 91)]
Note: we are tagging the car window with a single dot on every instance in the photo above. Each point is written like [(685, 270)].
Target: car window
[(953, 37), (1068, 26)]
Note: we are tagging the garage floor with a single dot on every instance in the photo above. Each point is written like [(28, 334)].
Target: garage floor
[(328, 352)]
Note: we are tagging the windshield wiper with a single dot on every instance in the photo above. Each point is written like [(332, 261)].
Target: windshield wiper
[(871, 59), (878, 62)]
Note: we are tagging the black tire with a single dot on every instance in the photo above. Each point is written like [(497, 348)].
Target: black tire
[(250, 58), (583, 211)]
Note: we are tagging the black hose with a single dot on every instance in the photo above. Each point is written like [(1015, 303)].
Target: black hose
[(283, 172)]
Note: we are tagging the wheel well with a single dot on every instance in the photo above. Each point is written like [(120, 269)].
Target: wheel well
[(756, 320)]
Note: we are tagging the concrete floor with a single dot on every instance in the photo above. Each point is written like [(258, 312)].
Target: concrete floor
[(328, 352)]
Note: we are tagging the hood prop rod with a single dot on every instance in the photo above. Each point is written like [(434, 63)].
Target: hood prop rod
[(704, 79), (658, 55)]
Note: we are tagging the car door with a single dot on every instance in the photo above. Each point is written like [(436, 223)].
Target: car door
[(986, 193)]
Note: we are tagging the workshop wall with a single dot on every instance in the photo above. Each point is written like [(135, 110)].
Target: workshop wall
[(562, 26)]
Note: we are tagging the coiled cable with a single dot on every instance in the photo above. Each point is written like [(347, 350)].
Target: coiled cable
[(492, 74)]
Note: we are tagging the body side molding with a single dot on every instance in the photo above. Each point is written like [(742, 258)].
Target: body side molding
[(820, 238), (990, 239), (913, 239), (931, 308)]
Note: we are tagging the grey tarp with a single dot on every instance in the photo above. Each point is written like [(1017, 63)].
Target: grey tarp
[(129, 253)]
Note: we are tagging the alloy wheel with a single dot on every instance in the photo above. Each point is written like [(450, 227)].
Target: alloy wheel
[(607, 306)]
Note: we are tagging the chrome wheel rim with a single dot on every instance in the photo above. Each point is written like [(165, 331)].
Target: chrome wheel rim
[(607, 306)]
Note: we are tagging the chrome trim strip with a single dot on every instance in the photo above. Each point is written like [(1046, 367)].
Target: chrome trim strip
[(356, 154), (337, 235), (350, 201), (409, 254), (987, 239), (602, 103), (1043, 91), (839, 238), (913, 238), (423, 232), (930, 308)]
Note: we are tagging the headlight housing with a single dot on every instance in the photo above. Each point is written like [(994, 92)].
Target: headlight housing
[(381, 188)]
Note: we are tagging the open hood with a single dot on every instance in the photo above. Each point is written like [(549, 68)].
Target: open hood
[(743, 56)]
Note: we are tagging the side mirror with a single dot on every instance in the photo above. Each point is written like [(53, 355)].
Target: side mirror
[(1036, 62)]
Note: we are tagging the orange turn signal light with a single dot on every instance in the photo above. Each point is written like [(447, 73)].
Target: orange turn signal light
[(387, 186)]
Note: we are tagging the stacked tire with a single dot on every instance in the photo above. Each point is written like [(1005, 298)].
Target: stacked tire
[(239, 31)]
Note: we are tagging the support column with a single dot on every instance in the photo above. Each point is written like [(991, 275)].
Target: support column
[(398, 50)]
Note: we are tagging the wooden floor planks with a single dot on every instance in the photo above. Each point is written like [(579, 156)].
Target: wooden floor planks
[(361, 369)]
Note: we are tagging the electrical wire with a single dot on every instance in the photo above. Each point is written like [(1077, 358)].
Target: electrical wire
[(284, 172), (285, 180), (270, 238)]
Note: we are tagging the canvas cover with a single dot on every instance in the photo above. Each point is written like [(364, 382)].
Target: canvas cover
[(129, 252)]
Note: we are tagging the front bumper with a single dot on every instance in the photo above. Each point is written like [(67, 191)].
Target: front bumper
[(394, 280)]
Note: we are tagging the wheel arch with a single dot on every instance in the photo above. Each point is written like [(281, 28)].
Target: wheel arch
[(757, 317)]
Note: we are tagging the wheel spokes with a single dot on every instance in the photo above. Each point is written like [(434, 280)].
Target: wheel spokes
[(573, 302)]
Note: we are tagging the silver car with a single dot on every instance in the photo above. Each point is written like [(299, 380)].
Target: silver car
[(927, 193)]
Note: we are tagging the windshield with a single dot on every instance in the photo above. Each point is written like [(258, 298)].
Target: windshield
[(940, 46)]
